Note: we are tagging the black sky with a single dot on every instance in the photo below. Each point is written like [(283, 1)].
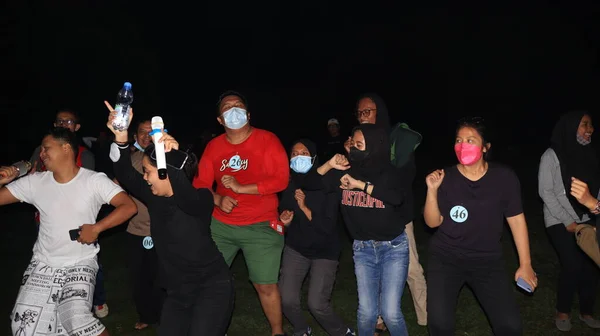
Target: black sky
[(519, 64)]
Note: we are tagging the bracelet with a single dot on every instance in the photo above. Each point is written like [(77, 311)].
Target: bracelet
[(122, 145), (596, 210)]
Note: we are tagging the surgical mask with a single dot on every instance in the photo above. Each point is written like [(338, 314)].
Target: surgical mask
[(137, 145), (467, 153), (235, 118), (301, 163), (582, 141), (357, 155)]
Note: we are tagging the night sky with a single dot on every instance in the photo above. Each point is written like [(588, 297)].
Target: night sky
[(518, 64)]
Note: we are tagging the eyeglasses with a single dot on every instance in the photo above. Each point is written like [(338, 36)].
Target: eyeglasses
[(64, 122), (366, 112)]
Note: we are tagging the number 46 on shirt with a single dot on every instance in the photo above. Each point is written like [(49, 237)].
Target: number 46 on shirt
[(459, 213)]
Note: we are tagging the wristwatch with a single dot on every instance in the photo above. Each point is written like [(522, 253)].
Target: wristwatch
[(367, 184)]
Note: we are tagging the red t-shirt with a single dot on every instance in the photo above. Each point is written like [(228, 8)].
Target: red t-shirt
[(260, 160)]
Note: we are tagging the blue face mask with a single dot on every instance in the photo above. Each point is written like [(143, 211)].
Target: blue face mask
[(235, 118), (301, 163), (137, 145)]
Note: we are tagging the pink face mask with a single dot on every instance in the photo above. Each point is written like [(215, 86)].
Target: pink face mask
[(467, 153)]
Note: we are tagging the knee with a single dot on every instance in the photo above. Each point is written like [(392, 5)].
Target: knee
[(318, 305), (290, 299), (95, 328), (510, 326), (392, 315), (440, 324)]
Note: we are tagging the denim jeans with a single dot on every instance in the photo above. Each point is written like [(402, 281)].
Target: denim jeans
[(381, 268)]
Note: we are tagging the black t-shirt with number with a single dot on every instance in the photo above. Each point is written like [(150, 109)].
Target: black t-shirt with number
[(474, 212)]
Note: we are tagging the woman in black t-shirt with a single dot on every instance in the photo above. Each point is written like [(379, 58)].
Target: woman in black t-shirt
[(468, 203)]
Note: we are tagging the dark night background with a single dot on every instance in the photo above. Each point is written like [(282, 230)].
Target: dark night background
[(518, 64)]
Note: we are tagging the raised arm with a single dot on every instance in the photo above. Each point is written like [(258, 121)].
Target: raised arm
[(126, 174), (21, 189), (431, 213), (120, 155)]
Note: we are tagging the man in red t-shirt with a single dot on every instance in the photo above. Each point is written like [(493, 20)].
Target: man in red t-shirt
[(249, 166)]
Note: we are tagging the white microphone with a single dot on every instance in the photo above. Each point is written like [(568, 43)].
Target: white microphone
[(159, 148), (23, 167)]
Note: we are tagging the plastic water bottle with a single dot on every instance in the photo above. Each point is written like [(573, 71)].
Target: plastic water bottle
[(124, 100)]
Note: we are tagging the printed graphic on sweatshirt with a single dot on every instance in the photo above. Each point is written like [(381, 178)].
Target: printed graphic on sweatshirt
[(235, 163), (360, 199)]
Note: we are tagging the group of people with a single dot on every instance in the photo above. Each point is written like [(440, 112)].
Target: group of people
[(280, 208)]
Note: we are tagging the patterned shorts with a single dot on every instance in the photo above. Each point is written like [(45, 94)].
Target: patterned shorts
[(56, 301)]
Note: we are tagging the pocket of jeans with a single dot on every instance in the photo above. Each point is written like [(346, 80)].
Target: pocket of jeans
[(399, 241), (356, 246)]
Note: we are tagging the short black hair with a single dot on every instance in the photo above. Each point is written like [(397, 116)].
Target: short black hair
[(140, 122), (231, 93), (64, 135), (479, 125), (75, 115)]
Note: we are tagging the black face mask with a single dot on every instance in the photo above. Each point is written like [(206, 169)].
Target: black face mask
[(357, 155)]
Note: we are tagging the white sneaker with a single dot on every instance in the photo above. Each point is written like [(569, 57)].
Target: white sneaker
[(101, 311)]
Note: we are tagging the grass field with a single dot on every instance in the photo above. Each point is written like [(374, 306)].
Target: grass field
[(537, 310)]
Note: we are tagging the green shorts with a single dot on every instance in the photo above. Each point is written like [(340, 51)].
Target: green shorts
[(260, 244)]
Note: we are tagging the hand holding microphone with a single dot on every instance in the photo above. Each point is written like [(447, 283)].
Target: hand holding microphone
[(159, 146), (9, 173)]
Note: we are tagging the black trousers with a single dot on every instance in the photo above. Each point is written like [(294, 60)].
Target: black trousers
[(489, 282), (198, 309), (578, 273), (143, 266), (294, 269)]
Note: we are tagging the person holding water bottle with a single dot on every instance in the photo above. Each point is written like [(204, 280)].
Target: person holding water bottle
[(467, 203), (197, 280)]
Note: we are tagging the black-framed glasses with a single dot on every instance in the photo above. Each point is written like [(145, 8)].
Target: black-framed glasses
[(366, 112), (64, 122)]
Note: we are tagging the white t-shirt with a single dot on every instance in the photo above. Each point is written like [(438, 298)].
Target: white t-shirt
[(63, 207)]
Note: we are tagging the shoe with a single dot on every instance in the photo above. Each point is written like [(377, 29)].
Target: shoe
[(350, 332), (563, 324), (101, 311), (590, 322)]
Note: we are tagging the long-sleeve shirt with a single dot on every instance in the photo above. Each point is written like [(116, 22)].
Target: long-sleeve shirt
[(381, 216), (180, 225), (317, 238), (557, 208), (260, 160)]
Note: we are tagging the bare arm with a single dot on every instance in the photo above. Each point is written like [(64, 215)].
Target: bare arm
[(125, 208), (7, 174), (518, 227), (6, 197), (307, 212), (431, 213)]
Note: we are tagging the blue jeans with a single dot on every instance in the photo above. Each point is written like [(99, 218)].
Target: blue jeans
[(381, 268)]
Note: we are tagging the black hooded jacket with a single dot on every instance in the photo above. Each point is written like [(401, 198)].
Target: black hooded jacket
[(317, 238), (382, 215)]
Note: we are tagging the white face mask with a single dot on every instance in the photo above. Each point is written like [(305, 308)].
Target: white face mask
[(235, 118)]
